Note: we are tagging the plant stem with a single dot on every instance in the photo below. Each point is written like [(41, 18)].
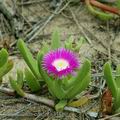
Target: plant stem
[(105, 7), (99, 14)]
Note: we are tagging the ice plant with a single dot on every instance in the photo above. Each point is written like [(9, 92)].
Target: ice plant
[(99, 14), (68, 87), (113, 83), (61, 70), (56, 66), (60, 62), (104, 9)]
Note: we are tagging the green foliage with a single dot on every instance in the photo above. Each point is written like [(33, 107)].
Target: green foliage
[(60, 105), (99, 14), (6, 68), (117, 79), (63, 90), (5, 64), (81, 81), (117, 3), (109, 78), (79, 44), (18, 83), (113, 84), (77, 84), (16, 86), (20, 78), (46, 48), (69, 44), (68, 87), (30, 61), (3, 57), (55, 43), (32, 82), (32, 77)]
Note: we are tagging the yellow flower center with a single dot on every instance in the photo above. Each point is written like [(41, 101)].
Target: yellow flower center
[(60, 64)]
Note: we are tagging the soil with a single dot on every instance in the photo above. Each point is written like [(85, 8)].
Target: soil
[(104, 46)]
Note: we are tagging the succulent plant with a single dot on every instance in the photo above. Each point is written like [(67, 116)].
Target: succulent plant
[(66, 88), (58, 67), (113, 83)]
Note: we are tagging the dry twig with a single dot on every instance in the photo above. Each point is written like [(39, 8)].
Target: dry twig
[(39, 99)]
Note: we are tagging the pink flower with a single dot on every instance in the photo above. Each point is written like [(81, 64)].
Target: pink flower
[(60, 62)]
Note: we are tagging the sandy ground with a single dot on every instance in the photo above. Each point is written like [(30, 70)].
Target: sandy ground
[(104, 45)]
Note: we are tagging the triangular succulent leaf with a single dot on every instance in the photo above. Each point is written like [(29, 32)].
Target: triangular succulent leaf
[(55, 43), (6, 68), (16, 87), (20, 78), (3, 57), (60, 106), (117, 78), (109, 79), (30, 61), (31, 81)]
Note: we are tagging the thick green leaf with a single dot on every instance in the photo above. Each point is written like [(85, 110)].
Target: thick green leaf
[(117, 101), (3, 57), (68, 43), (55, 43), (44, 75), (6, 68), (60, 106), (117, 3), (99, 14), (81, 74), (81, 81), (117, 78), (59, 91), (65, 83), (20, 78), (79, 44), (45, 48), (32, 82), (109, 79), (30, 61), (54, 86), (80, 86), (16, 87)]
